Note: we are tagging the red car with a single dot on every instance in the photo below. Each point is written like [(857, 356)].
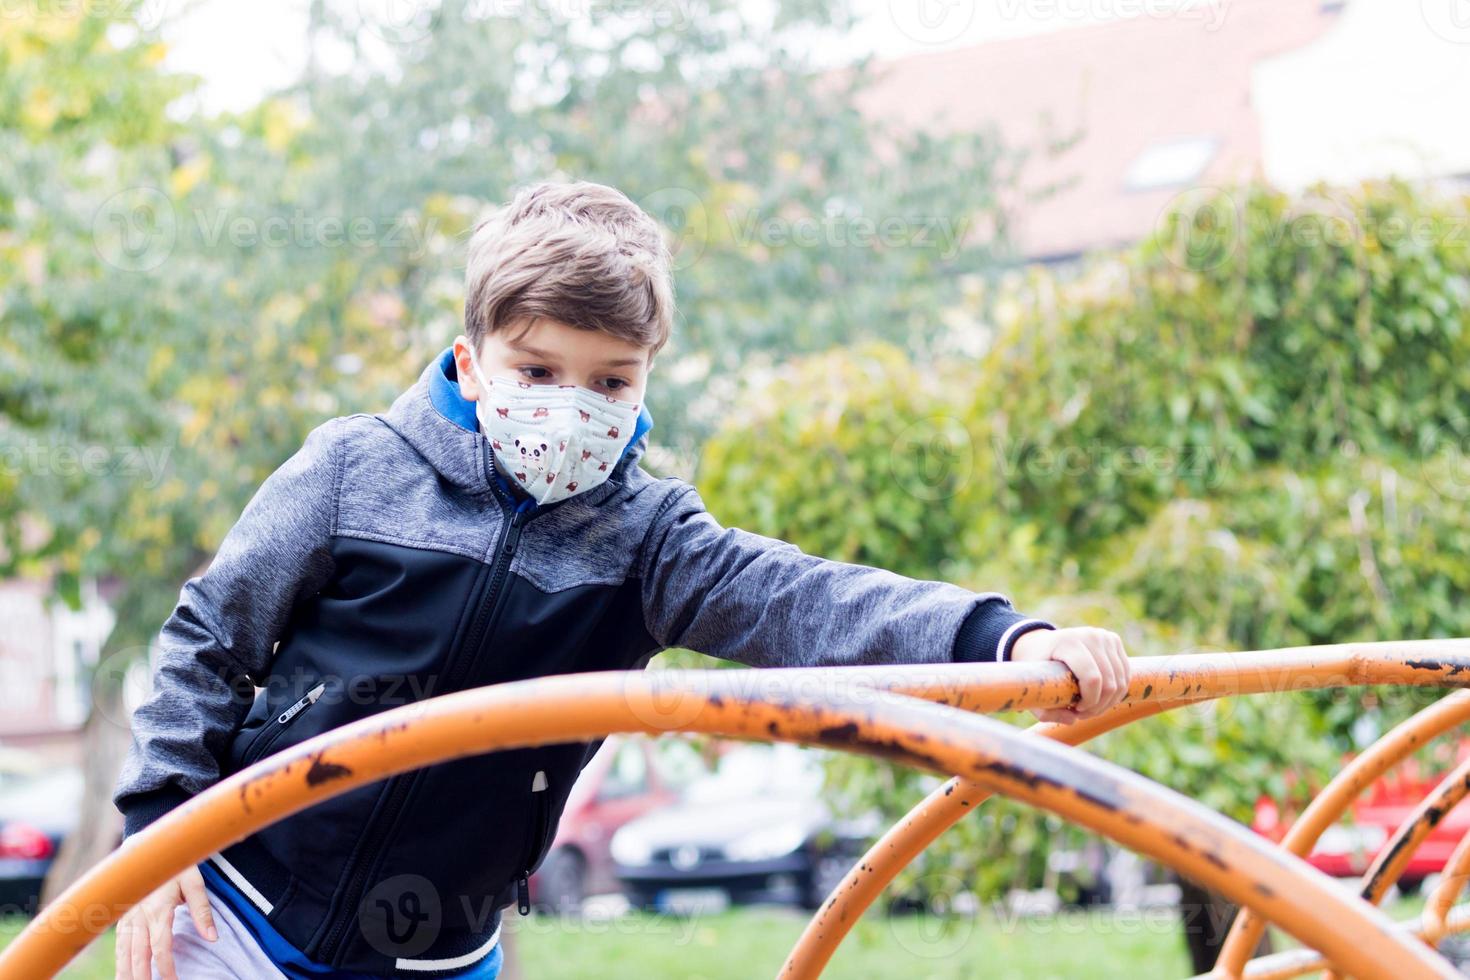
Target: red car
[(629, 776), (1349, 847)]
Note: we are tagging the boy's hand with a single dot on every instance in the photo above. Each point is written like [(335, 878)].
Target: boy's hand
[(1095, 657), (146, 932)]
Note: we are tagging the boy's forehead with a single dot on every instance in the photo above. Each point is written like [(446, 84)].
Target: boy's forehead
[(554, 339)]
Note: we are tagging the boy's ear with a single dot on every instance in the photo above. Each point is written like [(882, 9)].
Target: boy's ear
[(464, 369)]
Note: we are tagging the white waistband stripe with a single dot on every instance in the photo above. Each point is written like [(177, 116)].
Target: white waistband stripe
[(238, 880), (452, 962)]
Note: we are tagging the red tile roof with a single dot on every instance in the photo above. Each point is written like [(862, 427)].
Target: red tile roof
[(1117, 87)]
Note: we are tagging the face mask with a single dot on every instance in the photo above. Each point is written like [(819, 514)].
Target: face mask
[(554, 440)]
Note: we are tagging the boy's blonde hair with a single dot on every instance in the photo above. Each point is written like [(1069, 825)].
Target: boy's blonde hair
[(581, 253)]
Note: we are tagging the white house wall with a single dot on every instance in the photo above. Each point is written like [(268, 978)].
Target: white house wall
[(1386, 92)]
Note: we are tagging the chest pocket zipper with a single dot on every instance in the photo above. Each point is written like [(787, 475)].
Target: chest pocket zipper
[(541, 818), (272, 730)]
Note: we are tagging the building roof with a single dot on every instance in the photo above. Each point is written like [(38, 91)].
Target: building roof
[(1118, 117)]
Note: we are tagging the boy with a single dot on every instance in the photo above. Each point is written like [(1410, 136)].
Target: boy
[(492, 525)]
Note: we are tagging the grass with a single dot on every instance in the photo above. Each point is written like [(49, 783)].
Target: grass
[(752, 942), (94, 963)]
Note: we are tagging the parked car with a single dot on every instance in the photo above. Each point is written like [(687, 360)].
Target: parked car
[(627, 778), (37, 810), (1349, 847), (756, 830)]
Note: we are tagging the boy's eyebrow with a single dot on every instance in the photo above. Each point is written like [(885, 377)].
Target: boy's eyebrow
[(547, 356), (533, 351)]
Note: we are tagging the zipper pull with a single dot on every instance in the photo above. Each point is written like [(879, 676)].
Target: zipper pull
[(523, 884), (513, 535), (299, 706)]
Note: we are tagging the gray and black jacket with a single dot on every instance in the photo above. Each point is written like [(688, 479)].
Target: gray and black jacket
[(388, 561)]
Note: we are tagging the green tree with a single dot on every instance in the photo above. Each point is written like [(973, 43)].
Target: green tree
[(184, 297), (1244, 433), (238, 279)]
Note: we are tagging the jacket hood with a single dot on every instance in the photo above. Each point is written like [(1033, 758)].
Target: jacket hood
[(434, 418)]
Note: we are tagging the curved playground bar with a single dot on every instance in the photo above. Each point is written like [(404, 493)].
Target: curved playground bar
[(926, 717)]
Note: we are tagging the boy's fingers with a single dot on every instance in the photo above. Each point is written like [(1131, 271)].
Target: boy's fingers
[(1080, 662), (141, 955), (1124, 668), (1057, 716), (1112, 685), (198, 901), (122, 955), (1107, 690), (1105, 646), (162, 940)]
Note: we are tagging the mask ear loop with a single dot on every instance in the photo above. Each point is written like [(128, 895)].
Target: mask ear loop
[(479, 375), (483, 404)]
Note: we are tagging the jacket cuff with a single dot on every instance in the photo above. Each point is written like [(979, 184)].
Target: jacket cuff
[(141, 809), (990, 632)]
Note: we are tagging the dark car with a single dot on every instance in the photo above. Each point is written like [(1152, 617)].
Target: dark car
[(628, 777), (37, 810), (755, 831)]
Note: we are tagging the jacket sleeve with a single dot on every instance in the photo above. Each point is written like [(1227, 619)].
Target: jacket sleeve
[(219, 641), (763, 602)]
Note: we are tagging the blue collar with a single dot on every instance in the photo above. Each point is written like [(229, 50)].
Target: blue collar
[(444, 393)]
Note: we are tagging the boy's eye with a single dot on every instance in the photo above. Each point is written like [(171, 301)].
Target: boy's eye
[(536, 373), (614, 384)]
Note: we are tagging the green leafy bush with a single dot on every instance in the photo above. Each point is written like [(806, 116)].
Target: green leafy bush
[(1248, 432)]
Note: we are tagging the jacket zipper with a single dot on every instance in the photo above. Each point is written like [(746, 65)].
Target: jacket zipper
[(375, 833), (272, 730), (538, 838)]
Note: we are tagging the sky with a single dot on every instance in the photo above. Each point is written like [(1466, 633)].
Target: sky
[(244, 50), (1372, 100)]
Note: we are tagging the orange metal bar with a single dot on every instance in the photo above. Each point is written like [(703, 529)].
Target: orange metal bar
[(1215, 676), (1391, 860), (1395, 855), (1435, 919), (1015, 687), (907, 839), (1298, 962), (1095, 794), (1329, 805)]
